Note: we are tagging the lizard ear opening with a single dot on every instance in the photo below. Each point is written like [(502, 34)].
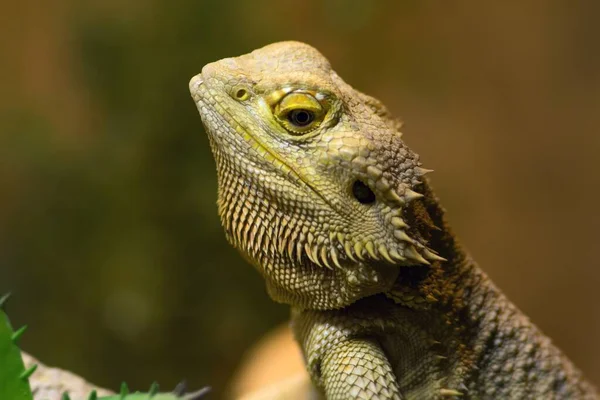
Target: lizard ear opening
[(362, 193)]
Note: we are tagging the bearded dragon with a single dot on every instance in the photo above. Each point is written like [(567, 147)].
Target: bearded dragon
[(319, 192)]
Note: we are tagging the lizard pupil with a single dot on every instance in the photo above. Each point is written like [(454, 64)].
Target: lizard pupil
[(301, 117), (362, 193)]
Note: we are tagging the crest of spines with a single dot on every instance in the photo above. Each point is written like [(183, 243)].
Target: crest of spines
[(266, 234)]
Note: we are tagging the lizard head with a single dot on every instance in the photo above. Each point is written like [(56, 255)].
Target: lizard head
[(314, 178)]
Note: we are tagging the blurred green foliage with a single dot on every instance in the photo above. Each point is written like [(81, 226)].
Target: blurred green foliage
[(113, 245)]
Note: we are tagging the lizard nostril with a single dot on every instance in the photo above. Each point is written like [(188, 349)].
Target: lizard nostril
[(240, 93), (362, 193)]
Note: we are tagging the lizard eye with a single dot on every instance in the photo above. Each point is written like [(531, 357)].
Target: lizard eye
[(301, 117), (299, 113)]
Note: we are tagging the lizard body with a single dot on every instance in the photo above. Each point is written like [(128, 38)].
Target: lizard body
[(319, 192)]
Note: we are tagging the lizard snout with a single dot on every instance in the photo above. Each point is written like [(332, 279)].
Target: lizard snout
[(194, 84)]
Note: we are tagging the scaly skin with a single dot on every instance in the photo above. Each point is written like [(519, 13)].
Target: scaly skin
[(319, 192)]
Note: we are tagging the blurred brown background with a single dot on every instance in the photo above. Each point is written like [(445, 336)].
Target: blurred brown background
[(109, 236)]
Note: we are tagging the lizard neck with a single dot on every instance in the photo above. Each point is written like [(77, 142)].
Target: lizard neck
[(486, 340), (456, 294), (442, 285)]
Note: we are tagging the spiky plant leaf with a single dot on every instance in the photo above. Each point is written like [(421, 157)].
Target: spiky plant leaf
[(14, 378), (151, 394)]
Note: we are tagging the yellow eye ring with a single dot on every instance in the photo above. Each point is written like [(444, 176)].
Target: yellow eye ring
[(299, 113)]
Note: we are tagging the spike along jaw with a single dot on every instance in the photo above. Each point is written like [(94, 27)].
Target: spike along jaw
[(313, 184)]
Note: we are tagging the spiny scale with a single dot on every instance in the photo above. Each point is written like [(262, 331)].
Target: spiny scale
[(422, 171), (450, 393), (411, 195), (413, 254), (430, 255), (248, 222), (371, 250), (399, 223), (403, 236), (325, 254), (383, 251)]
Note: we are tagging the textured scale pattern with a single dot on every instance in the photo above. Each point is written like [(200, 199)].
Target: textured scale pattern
[(358, 369), (385, 302)]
